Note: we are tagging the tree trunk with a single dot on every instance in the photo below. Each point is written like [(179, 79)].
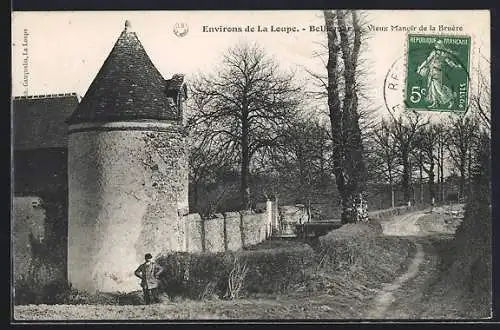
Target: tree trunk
[(196, 195), (406, 176), (421, 187), (442, 170), (302, 193), (432, 193), (353, 146), (469, 172), (461, 187), (335, 111), (348, 165), (348, 205), (245, 167), (391, 182), (392, 196), (438, 186)]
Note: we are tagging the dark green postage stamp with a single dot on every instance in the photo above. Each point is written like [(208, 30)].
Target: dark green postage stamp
[(437, 76)]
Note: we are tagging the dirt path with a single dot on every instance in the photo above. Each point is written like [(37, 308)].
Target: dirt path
[(404, 298), (411, 300), (386, 297)]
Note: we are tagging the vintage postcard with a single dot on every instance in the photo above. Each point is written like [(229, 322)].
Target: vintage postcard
[(251, 165)]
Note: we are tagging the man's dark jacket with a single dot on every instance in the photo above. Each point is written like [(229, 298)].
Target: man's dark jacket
[(148, 273)]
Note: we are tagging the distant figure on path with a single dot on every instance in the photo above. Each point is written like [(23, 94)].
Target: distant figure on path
[(148, 272)]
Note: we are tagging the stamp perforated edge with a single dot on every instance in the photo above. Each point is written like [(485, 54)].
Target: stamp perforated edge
[(472, 56)]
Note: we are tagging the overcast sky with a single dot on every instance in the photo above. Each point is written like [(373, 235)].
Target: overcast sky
[(66, 49)]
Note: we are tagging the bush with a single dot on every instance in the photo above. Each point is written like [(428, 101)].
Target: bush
[(472, 270), (43, 283), (43, 279), (231, 274), (341, 249), (277, 270), (278, 244), (279, 267)]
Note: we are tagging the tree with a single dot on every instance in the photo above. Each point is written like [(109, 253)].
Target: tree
[(384, 155), (245, 105), (348, 164), (425, 153), (481, 97), (207, 165), (404, 130), (302, 158), (441, 156), (461, 137), (207, 168)]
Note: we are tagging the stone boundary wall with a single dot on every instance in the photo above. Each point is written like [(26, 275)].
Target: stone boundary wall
[(214, 234), (254, 228), (230, 231), (194, 232), (233, 233)]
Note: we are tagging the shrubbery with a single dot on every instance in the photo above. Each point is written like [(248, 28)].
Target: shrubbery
[(42, 283), (42, 280), (353, 259), (470, 264), (343, 247), (205, 275), (353, 256)]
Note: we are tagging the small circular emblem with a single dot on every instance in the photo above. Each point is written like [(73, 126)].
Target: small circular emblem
[(181, 29)]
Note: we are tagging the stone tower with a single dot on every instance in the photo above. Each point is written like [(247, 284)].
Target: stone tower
[(127, 170)]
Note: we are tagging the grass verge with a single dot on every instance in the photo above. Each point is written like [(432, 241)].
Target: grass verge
[(463, 288)]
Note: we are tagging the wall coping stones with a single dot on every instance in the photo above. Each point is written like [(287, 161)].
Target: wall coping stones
[(232, 214), (192, 217)]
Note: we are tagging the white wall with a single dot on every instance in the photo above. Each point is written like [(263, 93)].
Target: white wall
[(125, 190)]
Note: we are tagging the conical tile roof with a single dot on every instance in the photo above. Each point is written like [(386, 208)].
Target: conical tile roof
[(127, 87)]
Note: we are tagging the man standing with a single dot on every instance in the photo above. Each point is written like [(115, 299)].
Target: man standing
[(148, 272)]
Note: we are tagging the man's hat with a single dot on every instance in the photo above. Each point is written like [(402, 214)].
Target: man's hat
[(148, 256)]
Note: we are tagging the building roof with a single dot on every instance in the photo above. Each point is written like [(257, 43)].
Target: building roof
[(127, 87), (39, 121)]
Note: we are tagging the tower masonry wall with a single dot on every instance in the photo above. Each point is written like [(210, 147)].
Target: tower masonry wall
[(128, 186)]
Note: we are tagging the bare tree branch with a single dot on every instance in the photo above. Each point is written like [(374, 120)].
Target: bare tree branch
[(242, 107)]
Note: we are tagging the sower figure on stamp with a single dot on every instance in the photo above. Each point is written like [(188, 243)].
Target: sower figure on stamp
[(438, 93), (148, 272)]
